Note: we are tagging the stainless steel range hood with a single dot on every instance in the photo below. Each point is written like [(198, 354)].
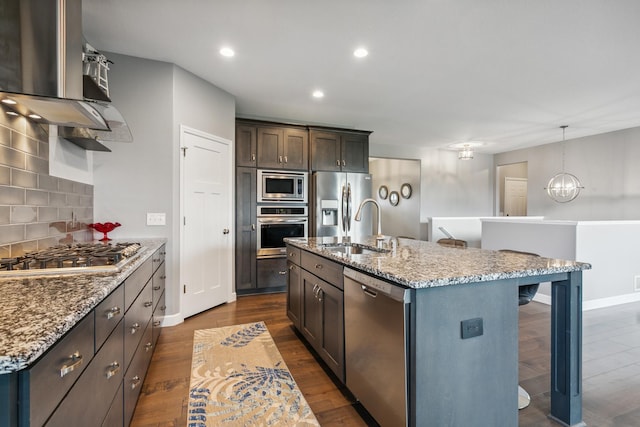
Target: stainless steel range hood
[(41, 72)]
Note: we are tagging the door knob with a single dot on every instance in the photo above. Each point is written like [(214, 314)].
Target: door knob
[(225, 231)]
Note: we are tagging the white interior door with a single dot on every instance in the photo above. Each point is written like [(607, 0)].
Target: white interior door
[(206, 246), (515, 196)]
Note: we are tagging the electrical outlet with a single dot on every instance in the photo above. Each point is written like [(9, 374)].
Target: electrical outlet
[(158, 218), (471, 328), (636, 284)]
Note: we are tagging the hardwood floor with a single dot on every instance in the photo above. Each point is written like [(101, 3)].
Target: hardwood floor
[(611, 366)]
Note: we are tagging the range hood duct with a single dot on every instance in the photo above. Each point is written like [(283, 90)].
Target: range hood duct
[(42, 71)]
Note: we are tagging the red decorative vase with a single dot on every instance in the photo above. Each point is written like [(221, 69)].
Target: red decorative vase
[(104, 228)]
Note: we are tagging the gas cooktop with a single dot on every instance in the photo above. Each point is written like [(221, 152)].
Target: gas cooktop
[(73, 258)]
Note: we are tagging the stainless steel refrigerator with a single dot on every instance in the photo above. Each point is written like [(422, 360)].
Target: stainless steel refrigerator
[(335, 197)]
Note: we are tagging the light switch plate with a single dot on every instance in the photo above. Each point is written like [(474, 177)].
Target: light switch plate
[(156, 218)]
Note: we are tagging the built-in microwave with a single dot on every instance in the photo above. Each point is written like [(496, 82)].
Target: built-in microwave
[(282, 186)]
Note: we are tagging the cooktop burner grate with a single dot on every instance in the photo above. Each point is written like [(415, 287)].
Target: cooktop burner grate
[(76, 257)]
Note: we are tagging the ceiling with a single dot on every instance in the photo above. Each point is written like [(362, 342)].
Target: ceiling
[(439, 72)]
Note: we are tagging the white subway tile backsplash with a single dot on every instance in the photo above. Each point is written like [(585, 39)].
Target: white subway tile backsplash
[(37, 198), (11, 195), (65, 186), (47, 182), (23, 143), (13, 158), (5, 175), (47, 214), (12, 234), (5, 135), (37, 164), (36, 231), (23, 214), (58, 200), (5, 215), (20, 178)]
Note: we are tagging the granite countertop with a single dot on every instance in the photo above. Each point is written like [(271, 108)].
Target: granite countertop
[(420, 264), (37, 310)]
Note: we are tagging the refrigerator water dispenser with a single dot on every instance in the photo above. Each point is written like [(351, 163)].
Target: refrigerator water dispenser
[(329, 212)]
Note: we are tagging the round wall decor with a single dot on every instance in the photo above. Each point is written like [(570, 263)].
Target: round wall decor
[(394, 198), (406, 190), (383, 192)]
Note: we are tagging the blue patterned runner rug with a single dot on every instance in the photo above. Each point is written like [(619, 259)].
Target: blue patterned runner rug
[(238, 378)]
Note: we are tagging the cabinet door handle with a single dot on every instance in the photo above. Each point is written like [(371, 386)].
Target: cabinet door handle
[(292, 254), (76, 361), (285, 159), (320, 295), (163, 308), (134, 382), (156, 288), (134, 328), (148, 346), (156, 323), (114, 368), (225, 231), (292, 267), (163, 277), (253, 157), (338, 162), (148, 304), (319, 266), (344, 163), (253, 227), (113, 312), (163, 253)]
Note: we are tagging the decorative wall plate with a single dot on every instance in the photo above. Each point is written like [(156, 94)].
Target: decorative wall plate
[(406, 190), (394, 198), (383, 192)]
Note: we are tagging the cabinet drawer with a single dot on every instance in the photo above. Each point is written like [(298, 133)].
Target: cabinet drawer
[(158, 281), (90, 398), (323, 268), (135, 320), (136, 372), (272, 272), (158, 257), (115, 416), (136, 281), (156, 320), (293, 254), (44, 385), (108, 313)]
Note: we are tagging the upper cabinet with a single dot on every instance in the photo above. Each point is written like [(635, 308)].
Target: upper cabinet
[(272, 147), (269, 145), (339, 151)]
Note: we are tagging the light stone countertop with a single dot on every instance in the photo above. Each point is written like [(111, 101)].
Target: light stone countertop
[(419, 264), (37, 310)]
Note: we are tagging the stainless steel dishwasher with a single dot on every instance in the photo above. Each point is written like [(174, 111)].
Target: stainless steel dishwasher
[(376, 315)]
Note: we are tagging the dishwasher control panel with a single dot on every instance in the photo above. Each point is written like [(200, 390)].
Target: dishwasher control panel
[(396, 292)]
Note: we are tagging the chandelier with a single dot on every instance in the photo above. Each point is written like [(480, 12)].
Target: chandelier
[(563, 187), (466, 153)]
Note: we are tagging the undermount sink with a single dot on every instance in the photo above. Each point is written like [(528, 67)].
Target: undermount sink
[(353, 248)]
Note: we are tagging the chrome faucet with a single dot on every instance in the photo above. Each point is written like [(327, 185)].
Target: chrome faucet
[(379, 236)]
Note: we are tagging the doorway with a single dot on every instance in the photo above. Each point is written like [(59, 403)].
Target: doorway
[(206, 260), (511, 187)]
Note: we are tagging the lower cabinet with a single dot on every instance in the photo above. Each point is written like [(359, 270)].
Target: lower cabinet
[(316, 307), (135, 374), (272, 273)]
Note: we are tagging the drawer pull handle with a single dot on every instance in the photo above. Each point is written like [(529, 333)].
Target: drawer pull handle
[(156, 323), (148, 304), (148, 346), (113, 312), (163, 308), (292, 254), (157, 260), (76, 361), (292, 267), (134, 382), (319, 266), (163, 253), (282, 273), (163, 277), (134, 328), (156, 288), (114, 368)]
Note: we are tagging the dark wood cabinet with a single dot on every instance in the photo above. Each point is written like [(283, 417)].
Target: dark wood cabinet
[(246, 228), (272, 274), (283, 148), (323, 320), (339, 151), (246, 145), (294, 293)]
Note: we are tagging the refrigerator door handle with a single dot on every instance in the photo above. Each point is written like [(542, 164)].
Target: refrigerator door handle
[(344, 209), (349, 207)]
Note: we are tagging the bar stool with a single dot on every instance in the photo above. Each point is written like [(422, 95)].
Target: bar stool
[(525, 295), (452, 243)]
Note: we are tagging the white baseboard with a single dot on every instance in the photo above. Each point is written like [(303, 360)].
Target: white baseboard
[(172, 320), (233, 297), (596, 303)]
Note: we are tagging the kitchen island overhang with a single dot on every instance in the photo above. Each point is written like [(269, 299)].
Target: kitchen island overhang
[(455, 381)]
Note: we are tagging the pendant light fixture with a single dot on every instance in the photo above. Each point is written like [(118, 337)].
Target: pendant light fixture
[(466, 153), (563, 187)]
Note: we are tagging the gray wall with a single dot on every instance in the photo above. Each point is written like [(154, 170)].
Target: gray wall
[(448, 186), (143, 176), (37, 210), (607, 166)]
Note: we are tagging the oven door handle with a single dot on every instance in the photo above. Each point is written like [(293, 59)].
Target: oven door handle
[(276, 221)]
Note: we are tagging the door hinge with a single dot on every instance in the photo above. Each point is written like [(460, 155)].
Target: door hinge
[(184, 151), (184, 289), (184, 220)]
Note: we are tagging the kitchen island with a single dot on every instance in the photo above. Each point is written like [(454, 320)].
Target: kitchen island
[(461, 338), (82, 316)]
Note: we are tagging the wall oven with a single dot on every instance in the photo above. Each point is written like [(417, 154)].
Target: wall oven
[(277, 222), (282, 186)]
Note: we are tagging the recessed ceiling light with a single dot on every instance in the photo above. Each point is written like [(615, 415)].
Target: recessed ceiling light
[(12, 113), (9, 101), (360, 52), (318, 94), (34, 116), (227, 52)]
